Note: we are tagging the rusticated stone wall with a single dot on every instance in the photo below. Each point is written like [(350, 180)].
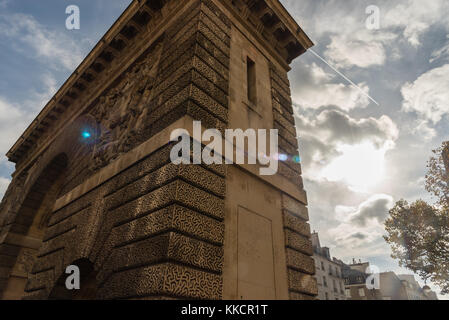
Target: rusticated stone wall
[(142, 227), (284, 122), (155, 230), (301, 267), (185, 72)]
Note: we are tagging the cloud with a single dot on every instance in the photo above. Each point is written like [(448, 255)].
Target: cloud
[(29, 37), (336, 147), (15, 117), (345, 53), (359, 230), (340, 27), (415, 18), (4, 3), (37, 99), (315, 88), (323, 134), (423, 129), (343, 135), (440, 54), (12, 122), (340, 127), (376, 207), (428, 95), (50, 48), (359, 235), (361, 48), (3, 186)]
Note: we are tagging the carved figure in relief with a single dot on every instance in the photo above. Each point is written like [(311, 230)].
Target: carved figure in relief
[(119, 113)]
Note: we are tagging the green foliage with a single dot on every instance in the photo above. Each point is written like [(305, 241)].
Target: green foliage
[(418, 233)]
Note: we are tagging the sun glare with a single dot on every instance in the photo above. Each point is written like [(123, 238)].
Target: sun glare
[(360, 166)]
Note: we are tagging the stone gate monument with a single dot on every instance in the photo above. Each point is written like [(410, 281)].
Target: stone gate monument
[(94, 185)]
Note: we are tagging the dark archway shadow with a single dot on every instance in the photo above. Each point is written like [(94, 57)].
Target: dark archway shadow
[(88, 284), (41, 197), (31, 222)]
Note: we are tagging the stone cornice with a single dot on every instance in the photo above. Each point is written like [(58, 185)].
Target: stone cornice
[(273, 24)]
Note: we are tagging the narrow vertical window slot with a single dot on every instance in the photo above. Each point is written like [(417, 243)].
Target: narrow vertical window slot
[(251, 80)]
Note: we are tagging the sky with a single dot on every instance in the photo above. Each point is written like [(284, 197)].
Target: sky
[(363, 147)]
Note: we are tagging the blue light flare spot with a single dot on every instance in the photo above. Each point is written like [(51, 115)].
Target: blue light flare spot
[(86, 134), (297, 159), (283, 157)]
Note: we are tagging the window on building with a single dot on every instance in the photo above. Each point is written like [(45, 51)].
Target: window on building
[(322, 266), (251, 80), (324, 281), (348, 293), (326, 295), (361, 292)]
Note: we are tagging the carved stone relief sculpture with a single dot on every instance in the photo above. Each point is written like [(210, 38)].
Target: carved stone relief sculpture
[(120, 112)]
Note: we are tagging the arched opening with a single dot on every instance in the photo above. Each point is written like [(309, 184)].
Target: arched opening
[(28, 228), (88, 284)]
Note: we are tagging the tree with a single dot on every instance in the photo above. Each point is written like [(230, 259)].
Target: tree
[(418, 233)]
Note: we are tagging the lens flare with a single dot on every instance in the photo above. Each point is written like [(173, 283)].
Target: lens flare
[(86, 134)]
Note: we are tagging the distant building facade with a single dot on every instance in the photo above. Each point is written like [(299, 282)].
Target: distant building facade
[(328, 273), (355, 282), (414, 291), (391, 286)]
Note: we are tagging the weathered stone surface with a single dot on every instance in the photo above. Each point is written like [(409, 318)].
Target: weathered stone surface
[(9, 250), (300, 296), (300, 262), (149, 164), (291, 149), (296, 241), (302, 283), (295, 207), (296, 224), (53, 260), (290, 174), (195, 253), (174, 217), (7, 261), (39, 280), (284, 122), (164, 279), (140, 226)]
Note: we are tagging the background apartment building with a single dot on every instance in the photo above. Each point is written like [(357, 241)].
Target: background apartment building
[(391, 286), (414, 291), (328, 273), (355, 282)]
